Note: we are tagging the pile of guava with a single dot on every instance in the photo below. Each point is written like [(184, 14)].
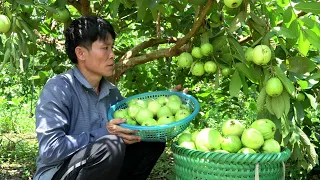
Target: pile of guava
[(154, 111), (233, 137)]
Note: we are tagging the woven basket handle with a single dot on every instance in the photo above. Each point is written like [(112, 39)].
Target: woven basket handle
[(256, 171)]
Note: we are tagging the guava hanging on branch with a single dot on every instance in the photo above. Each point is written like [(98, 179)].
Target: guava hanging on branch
[(132, 58)]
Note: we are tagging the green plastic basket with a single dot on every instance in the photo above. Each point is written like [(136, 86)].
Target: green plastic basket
[(193, 164)]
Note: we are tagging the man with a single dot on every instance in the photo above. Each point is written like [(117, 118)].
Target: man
[(76, 141)]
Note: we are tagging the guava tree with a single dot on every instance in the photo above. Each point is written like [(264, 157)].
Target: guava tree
[(269, 47)]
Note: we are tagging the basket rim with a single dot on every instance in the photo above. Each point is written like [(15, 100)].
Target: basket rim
[(158, 127), (284, 155)]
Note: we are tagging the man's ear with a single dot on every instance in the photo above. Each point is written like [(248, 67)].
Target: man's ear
[(81, 53)]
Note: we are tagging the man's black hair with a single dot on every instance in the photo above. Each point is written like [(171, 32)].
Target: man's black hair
[(84, 31)]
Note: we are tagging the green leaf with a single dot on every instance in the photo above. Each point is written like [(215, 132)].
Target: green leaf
[(303, 44), (313, 101), (310, 23), (282, 31), (237, 49), (312, 7), (50, 9), (142, 8), (25, 2), (303, 84), (285, 81), (300, 65), (283, 3), (237, 22), (289, 16), (218, 43), (127, 3), (304, 138), (313, 38), (114, 8), (313, 156), (278, 106), (294, 28), (249, 72), (258, 20), (235, 85), (315, 76)]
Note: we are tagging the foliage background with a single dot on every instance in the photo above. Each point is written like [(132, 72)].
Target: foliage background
[(151, 34)]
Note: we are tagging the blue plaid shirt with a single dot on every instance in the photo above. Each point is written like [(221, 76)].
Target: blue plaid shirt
[(70, 115)]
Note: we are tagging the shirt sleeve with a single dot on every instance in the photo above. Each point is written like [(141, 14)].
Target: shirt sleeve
[(52, 123)]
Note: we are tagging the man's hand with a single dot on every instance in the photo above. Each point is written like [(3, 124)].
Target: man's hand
[(179, 87), (126, 134)]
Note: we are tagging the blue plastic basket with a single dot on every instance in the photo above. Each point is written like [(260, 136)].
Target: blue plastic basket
[(161, 133)]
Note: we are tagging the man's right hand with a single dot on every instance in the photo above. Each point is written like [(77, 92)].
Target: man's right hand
[(126, 134)]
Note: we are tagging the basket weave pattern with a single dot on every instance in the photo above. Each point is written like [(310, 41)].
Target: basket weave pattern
[(159, 133), (194, 164)]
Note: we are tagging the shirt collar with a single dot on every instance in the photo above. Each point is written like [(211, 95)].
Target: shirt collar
[(105, 85)]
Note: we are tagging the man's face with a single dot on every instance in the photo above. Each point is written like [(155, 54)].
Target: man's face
[(100, 59)]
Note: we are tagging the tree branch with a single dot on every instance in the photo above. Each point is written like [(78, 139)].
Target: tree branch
[(85, 7), (152, 42), (129, 60), (195, 27)]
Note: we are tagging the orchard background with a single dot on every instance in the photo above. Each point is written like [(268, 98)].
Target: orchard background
[(151, 34)]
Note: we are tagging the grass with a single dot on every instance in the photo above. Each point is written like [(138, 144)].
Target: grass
[(19, 152)]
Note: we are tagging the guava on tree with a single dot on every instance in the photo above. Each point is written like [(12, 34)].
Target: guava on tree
[(252, 138), (231, 143), (300, 97), (271, 146), (232, 127), (183, 137), (185, 60), (274, 87), (261, 55), (249, 54), (196, 52), (266, 127), (226, 72), (208, 139), (197, 69), (206, 49), (210, 67), (5, 23), (232, 3), (63, 15), (246, 150)]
